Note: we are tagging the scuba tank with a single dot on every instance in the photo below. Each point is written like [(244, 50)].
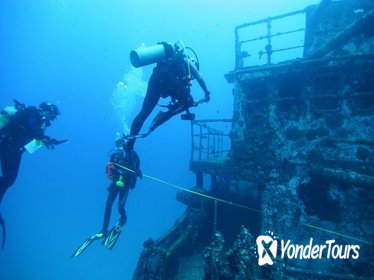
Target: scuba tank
[(6, 114), (147, 55)]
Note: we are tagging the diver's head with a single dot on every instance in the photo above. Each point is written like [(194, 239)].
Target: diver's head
[(119, 140), (49, 112), (179, 50)]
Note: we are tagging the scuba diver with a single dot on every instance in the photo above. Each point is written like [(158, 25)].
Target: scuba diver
[(123, 170), (22, 128), (172, 77)]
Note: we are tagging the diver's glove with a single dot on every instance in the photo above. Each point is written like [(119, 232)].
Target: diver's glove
[(207, 96), (51, 142)]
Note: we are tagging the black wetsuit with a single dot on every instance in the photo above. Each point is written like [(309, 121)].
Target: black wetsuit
[(26, 125), (129, 160), (169, 79)]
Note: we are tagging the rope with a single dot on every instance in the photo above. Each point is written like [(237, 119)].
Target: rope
[(337, 233), (216, 199)]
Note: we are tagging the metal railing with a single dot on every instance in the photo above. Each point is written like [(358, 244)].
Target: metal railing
[(268, 50), (210, 139)]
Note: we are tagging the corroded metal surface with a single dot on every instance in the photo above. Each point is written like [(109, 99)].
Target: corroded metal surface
[(302, 151)]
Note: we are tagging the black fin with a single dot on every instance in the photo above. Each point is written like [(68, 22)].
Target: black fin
[(2, 223), (86, 243), (112, 237)]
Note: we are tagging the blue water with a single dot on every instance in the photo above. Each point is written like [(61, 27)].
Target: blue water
[(74, 53)]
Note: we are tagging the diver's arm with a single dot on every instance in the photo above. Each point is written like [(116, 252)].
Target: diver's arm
[(195, 73)]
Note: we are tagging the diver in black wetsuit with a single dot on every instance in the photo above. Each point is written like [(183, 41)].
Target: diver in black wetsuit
[(26, 125), (171, 77), (123, 169), (122, 181)]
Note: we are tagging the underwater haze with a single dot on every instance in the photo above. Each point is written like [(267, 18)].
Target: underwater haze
[(75, 53)]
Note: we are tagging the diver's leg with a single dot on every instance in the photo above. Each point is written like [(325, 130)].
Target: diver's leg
[(184, 101), (10, 162), (112, 193), (113, 235), (123, 194), (150, 102), (163, 117)]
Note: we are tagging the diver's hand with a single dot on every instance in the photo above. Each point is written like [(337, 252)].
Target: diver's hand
[(207, 96), (51, 142)]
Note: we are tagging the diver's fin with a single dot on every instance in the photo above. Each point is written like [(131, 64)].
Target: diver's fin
[(87, 243), (112, 237), (163, 117), (2, 223)]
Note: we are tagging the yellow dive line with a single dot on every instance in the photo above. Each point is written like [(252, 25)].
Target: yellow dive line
[(337, 233), (235, 204), (202, 194), (190, 191)]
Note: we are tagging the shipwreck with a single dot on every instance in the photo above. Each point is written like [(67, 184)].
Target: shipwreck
[(296, 159)]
